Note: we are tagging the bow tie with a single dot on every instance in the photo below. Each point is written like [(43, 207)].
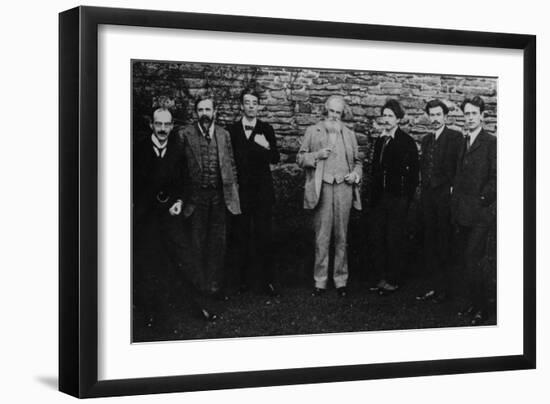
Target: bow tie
[(248, 127)]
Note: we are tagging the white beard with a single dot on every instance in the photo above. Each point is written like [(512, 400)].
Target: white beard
[(333, 126)]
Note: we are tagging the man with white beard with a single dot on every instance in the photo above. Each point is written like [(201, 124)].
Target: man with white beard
[(329, 154)]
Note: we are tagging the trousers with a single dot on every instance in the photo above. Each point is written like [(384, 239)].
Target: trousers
[(331, 217)]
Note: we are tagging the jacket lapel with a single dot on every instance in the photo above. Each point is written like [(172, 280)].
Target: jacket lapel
[(479, 140), (241, 131), (347, 146), (220, 143), (441, 142), (195, 145)]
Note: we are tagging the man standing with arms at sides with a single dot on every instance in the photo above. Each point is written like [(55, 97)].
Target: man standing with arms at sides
[(255, 148), (212, 191), (474, 206), (440, 150), (330, 156), (395, 177), (158, 191)]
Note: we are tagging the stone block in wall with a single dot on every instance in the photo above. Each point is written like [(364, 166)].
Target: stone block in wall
[(374, 100), (471, 90)]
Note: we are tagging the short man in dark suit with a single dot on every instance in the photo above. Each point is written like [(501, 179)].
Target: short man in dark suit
[(212, 193), (158, 192), (474, 206), (394, 182), (255, 148), (440, 150)]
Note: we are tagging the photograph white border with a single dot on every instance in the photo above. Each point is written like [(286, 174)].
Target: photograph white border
[(119, 359)]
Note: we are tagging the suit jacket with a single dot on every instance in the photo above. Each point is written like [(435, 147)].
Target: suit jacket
[(448, 146), (315, 139), (397, 173), (475, 190), (190, 139), (157, 182), (253, 163)]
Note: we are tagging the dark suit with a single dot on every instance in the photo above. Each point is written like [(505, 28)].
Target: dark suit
[(474, 211), (394, 181), (159, 261), (207, 207), (256, 194), (438, 169)]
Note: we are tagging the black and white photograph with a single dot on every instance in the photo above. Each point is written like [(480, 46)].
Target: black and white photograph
[(282, 200)]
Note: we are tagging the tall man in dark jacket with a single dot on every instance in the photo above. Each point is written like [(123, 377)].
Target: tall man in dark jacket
[(255, 148), (395, 177), (212, 194), (161, 277), (440, 150), (474, 205)]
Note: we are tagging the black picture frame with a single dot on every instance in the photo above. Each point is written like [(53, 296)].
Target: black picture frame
[(78, 201)]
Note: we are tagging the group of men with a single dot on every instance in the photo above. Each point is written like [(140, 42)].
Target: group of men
[(219, 181)]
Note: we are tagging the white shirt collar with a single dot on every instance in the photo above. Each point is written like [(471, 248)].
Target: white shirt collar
[(210, 130), (473, 135), (391, 133), (160, 149), (246, 122), (438, 132)]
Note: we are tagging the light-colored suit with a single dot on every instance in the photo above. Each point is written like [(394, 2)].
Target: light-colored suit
[(315, 139), (331, 202)]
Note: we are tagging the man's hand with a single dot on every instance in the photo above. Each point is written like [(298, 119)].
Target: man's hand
[(324, 153), (262, 141), (351, 178), (175, 209)]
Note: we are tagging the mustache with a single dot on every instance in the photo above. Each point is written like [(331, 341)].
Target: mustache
[(162, 132), (205, 119)]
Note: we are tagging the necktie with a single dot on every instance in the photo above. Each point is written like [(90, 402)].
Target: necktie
[(248, 127), (386, 141), (208, 138), (159, 151), (467, 137)]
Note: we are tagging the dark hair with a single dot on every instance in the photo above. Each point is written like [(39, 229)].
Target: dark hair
[(251, 91), (434, 104), (395, 106), (204, 97), (477, 101)]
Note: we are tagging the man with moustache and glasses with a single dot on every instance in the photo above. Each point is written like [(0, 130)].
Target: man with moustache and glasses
[(394, 181), (329, 154), (255, 148), (158, 192), (438, 161), (473, 206), (212, 192)]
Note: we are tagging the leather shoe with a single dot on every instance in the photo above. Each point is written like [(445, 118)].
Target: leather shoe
[(272, 291), (430, 294), (466, 311), (318, 292), (479, 318), (208, 315), (342, 291)]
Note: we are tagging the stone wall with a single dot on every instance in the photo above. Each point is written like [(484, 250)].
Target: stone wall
[(292, 99)]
